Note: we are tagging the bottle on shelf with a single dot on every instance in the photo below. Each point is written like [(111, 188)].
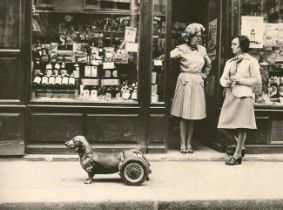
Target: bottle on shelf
[(44, 81), (58, 81), (63, 69), (108, 94), (76, 71), (56, 69), (72, 81), (37, 67), (37, 80), (65, 80), (117, 93), (48, 69), (38, 49), (51, 81)]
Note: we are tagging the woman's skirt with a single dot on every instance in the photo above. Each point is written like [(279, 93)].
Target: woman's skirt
[(189, 98), (237, 112)]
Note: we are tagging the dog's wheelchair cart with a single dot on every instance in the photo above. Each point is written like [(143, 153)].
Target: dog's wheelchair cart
[(134, 169)]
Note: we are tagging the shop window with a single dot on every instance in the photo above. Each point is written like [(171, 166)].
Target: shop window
[(262, 22), (86, 56), (158, 44)]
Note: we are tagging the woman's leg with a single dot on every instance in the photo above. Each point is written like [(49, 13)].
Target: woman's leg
[(242, 135), (190, 131), (227, 134), (183, 131)]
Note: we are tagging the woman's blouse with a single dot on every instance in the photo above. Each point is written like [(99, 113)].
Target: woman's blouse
[(192, 60)]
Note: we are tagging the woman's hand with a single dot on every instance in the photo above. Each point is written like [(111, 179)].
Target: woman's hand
[(203, 76), (234, 80), (229, 83)]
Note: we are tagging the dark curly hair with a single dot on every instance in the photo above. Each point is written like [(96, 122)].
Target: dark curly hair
[(244, 42)]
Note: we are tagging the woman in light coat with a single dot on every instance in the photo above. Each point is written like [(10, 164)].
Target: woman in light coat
[(240, 77), (189, 99)]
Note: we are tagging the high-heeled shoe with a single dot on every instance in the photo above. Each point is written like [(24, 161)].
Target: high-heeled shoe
[(231, 150), (190, 150), (234, 161), (183, 151)]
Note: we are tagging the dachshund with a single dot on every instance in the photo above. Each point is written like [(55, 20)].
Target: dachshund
[(95, 162)]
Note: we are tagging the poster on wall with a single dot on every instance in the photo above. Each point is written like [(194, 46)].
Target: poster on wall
[(253, 27), (273, 35), (130, 34), (212, 38)]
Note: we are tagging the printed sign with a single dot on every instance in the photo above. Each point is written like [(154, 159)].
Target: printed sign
[(253, 27), (130, 34)]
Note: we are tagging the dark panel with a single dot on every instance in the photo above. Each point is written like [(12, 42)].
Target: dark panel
[(112, 128), (261, 135), (10, 23), (277, 130), (10, 127), (173, 130), (55, 127), (9, 78), (158, 129)]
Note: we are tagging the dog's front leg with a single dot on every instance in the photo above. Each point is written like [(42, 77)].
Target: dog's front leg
[(90, 174), (89, 180)]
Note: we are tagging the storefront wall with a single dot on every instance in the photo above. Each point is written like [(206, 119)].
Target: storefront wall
[(38, 119), (261, 21)]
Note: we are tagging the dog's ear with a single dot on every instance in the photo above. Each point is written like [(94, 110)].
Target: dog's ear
[(77, 142)]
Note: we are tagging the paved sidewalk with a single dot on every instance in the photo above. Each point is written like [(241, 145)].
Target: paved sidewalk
[(173, 185), (202, 154)]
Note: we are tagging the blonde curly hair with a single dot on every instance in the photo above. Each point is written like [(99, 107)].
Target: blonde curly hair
[(194, 28)]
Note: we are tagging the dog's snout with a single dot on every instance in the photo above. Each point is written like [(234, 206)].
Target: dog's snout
[(69, 143)]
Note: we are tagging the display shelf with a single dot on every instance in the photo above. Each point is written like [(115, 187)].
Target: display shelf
[(274, 105), (76, 101), (90, 12), (276, 71)]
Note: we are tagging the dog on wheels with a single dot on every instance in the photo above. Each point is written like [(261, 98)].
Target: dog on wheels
[(131, 164)]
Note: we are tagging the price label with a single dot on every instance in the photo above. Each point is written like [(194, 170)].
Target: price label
[(108, 65), (157, 62)]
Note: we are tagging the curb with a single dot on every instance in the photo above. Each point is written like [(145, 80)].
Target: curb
[(151, 205)]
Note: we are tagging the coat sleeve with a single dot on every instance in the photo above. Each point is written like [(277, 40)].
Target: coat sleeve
[(225, 75), (255, 79)]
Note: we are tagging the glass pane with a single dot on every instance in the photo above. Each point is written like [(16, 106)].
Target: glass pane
[(9, 23), (266, 46), (85, 52), (158, 44)]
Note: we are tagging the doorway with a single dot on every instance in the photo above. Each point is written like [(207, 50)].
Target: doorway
[(185, 12)]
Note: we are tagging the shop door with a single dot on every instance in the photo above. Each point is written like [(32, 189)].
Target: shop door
[(12, 67), (208, 13)]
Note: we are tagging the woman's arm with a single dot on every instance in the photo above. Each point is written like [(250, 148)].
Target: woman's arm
[(224, 79), (176, 53), (255, 79), (207, 68)]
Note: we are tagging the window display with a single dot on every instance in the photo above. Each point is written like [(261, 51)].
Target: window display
[(89, 55), (269, 16), (158, 44)]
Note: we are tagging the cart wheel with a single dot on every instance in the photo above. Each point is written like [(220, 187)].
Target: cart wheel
[(133, 173)]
